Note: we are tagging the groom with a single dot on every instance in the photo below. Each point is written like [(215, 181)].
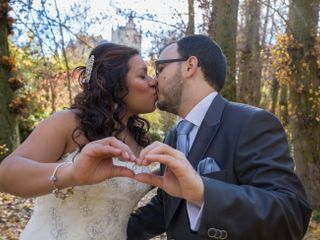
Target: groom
[(232, 176)]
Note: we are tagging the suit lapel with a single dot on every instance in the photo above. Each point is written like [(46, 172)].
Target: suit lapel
[(207, 131), (205, 136)]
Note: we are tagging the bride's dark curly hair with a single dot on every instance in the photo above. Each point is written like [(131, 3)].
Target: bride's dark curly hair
[(101, 102)]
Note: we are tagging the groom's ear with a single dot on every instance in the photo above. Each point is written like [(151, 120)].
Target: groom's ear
[(191, 66)]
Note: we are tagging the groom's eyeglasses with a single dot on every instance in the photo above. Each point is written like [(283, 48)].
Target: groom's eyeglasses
[(159, 64)]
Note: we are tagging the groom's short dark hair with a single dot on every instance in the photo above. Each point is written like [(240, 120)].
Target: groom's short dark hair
[(210, 57)]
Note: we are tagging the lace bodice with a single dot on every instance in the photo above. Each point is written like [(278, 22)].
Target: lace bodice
[(93, 212)]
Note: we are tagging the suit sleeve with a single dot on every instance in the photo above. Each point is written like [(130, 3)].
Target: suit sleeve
[(269, 201), (148, 221)]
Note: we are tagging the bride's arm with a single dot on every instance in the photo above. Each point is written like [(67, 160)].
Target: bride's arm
[(25, 172)]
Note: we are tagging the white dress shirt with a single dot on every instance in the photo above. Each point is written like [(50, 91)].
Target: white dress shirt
[(196, 116)]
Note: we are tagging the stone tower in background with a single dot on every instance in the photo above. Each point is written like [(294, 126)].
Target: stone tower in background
[(78, 49), (127, 35)]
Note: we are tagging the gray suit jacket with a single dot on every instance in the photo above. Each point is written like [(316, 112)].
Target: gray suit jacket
[(255, 195)]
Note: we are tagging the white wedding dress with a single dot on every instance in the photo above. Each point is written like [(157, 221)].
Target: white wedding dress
[(93, 212)]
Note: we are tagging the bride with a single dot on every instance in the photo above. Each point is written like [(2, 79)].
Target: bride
[(79, 162)]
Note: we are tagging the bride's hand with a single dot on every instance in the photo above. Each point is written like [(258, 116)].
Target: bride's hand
[(94, 162)]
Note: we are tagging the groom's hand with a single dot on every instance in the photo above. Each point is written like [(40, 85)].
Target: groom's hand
[(179, 179)]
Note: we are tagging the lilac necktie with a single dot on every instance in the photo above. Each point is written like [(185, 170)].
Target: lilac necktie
[(183, 129)]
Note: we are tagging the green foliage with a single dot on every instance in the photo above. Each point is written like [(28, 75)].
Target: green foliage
[(160, 123), (156, 126), (316, 215), (32, 101), (29, 119), (23, 98)]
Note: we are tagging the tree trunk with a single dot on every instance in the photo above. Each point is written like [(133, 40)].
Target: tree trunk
[(249, 63), (304, 91), (212, 20), (225, 35), (283, 105), (9, 133), (190, 28), (274, 94)]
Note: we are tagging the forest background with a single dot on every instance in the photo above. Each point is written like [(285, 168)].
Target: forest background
[(272, 48)]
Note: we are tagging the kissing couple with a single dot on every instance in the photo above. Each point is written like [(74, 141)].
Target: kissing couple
[(225, 168)]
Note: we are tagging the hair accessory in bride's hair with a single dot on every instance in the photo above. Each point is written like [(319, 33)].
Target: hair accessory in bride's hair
[(89, 67)]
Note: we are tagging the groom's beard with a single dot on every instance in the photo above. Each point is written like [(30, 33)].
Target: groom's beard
[(170, 100)]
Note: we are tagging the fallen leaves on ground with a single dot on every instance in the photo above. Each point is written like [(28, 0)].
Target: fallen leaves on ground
[(14, 215)]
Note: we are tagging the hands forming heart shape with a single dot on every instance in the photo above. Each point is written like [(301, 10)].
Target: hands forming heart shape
[(94, 164)]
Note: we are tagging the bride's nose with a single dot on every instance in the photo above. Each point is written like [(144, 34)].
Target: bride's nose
[(152, 82)]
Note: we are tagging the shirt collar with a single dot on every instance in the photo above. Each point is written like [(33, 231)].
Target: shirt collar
[(197, 113)]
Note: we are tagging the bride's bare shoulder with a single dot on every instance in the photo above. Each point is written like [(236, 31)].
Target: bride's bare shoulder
[(68, 117), (64, 122)]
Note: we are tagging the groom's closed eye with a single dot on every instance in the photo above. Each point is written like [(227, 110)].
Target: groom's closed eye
[(159, 69)]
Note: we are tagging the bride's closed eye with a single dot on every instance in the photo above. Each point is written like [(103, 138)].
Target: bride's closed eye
[(143, 76)]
